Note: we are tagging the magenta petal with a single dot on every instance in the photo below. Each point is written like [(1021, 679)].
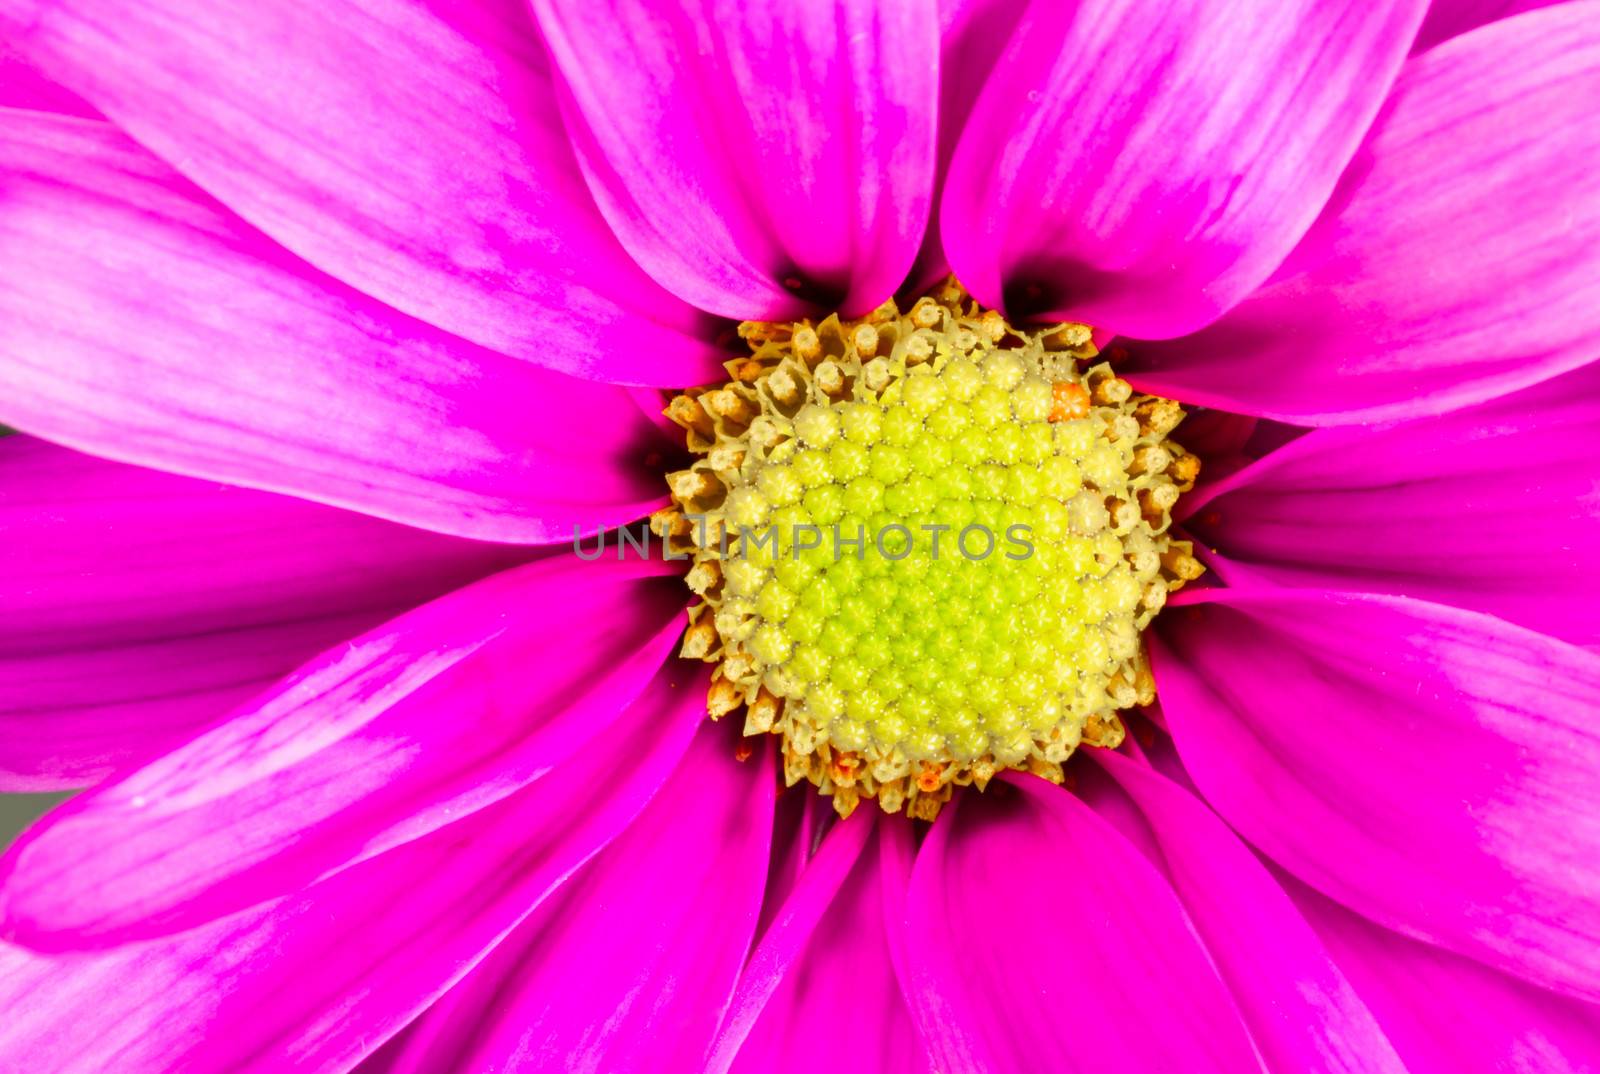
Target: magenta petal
[(1431, 768), (1459, 259), (1143, 167), (1492, 509), (254, 369), (1450, 18), (1450, 1015), (70, 718), (630, 966), (116, 554), (429, 717), (752, 154), (318, 980), (972, 38), (1133, 991), (410, 148), (840, 997), (798, 825), (144, 606), (1300, 1010), (774, 964)]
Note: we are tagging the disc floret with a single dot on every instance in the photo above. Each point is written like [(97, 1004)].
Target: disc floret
[(926, 545)]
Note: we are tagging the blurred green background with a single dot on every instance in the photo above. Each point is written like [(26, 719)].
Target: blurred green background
[(17, 811)]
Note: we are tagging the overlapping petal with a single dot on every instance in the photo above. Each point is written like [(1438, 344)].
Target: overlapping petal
[(761, 155), (317, 980), (411, 148), (439, 713), (1446, 1014), (1493, 508), (1300, 1009), (630, 966), (1431, 768), (840, 995), (142, 606), (972, 37), (798, 825), (141, 321), (1143, 167), (1459, 259), (821, 969), (1032, 924)]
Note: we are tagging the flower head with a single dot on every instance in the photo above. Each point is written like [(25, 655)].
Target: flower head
[(1265, 328)]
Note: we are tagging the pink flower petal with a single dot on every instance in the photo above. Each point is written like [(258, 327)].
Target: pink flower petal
[(1450, 18), (783, 944), (70, 718), (318, 980), (410, 148), (756, 154), (432, 716), (143, 605), (630, 966), (1433, 769), (118, 553), (140, 321), (1300, 1010), (1492, 509), (840, 1000), (799, 824), (1128, 987), (972, 37), (1460, 258), (1143, 167), (1447, 1014)]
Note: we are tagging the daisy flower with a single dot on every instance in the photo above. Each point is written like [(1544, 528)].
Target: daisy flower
[(1247, 719)]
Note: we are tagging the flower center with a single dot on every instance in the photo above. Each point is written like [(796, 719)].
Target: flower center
[(925, 546)]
